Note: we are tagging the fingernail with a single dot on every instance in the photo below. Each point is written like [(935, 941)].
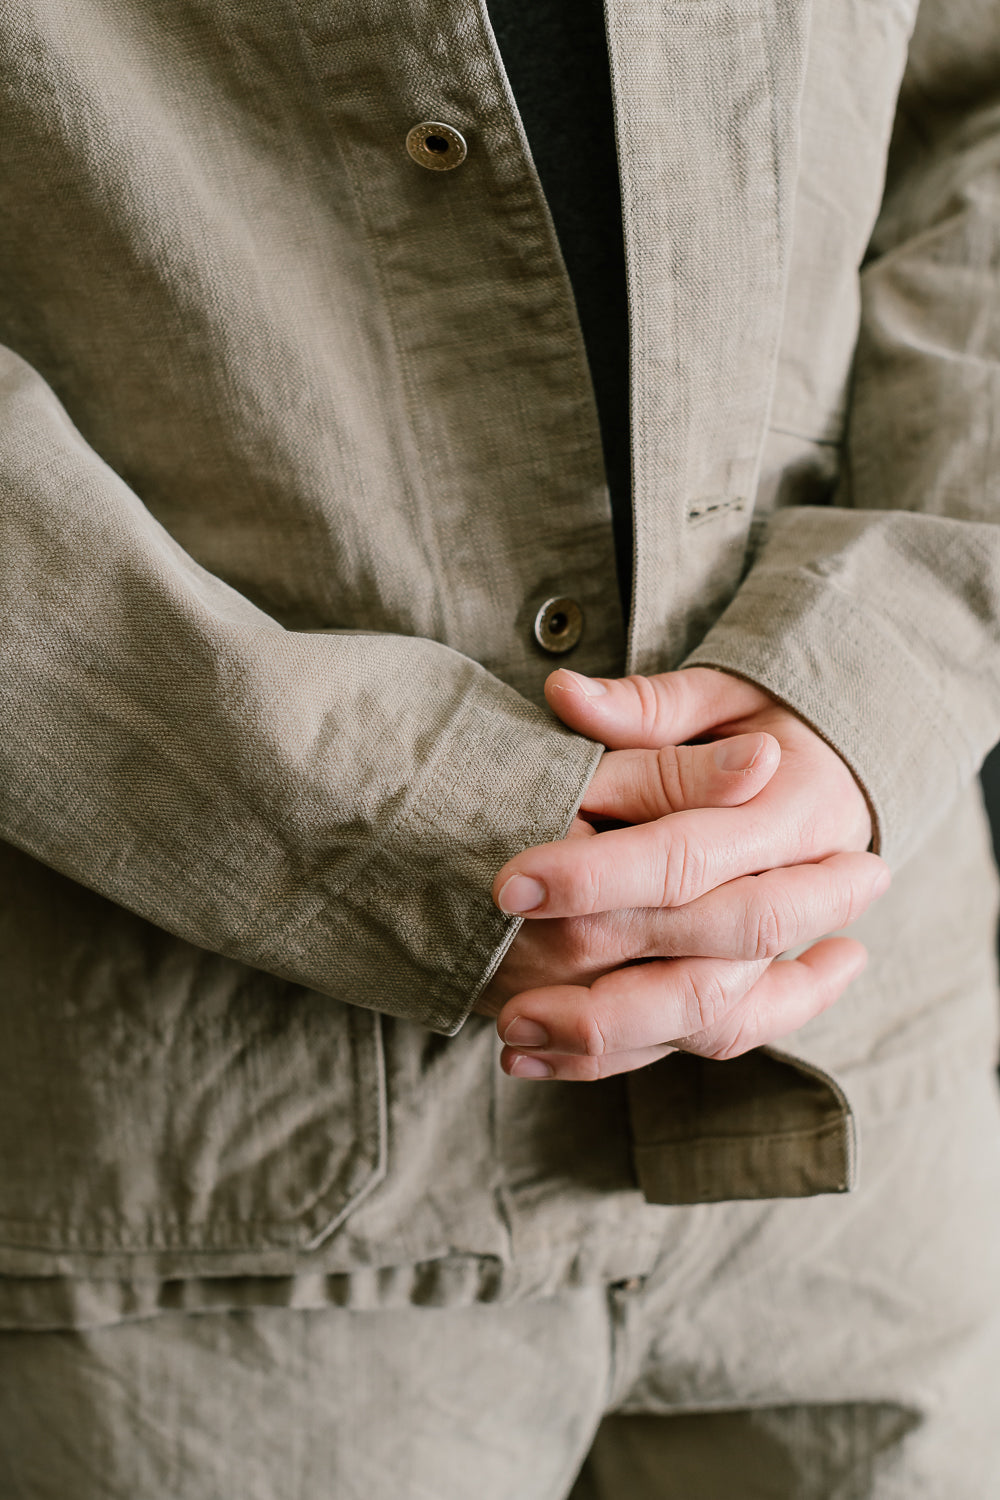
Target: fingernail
[(589, 686), (524, 1033), (520, 894), (529, 1067), (737, 755), (883, 880)]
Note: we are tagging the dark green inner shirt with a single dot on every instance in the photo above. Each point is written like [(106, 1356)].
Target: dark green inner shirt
[(555, 53)]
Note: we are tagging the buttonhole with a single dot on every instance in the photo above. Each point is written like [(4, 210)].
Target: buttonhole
[(436, 143), (558, 623)]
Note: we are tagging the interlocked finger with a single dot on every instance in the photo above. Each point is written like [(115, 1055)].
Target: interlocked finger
[(635, 786), (665, 709), (668, 862), (760, 916), (714, 1008)]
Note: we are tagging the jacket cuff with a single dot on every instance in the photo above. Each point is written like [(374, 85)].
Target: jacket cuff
[(874, 690), (502, 782)]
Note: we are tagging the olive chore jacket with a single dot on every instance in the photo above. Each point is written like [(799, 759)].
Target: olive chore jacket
[(297, 441)]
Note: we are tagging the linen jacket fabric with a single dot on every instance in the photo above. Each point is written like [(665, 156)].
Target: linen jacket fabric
[(296, 437)]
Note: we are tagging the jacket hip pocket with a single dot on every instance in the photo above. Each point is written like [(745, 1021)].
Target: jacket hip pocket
[(157, 1099)]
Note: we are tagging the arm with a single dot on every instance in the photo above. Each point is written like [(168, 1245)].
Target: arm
[(329, 807), (895, 588)]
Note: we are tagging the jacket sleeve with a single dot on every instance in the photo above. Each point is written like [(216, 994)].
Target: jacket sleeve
[(330, 807), (878, 618)]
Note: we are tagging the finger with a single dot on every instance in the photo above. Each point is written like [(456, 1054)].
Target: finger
[(792, 992), (632, 1008), (640, 785), (785, 996), (668, 862), (761, 916), (756, 918), (635, 786), (665, 709), (578, 1069)]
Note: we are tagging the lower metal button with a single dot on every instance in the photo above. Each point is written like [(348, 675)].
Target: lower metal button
[(558, 625)]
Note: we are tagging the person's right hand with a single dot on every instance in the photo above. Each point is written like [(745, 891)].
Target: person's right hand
[(722, 943)]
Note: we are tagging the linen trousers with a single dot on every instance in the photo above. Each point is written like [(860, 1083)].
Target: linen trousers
[(842, 1348)]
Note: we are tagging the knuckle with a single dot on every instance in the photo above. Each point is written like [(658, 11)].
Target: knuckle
[(590, 1036), (683, 872), (683, 769), (768, 928), (708, 1001), (669, 783), (731, 1044), (650, 705)]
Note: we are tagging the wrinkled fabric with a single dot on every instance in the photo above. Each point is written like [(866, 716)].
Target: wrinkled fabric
[(297, 436), (825, 1349)]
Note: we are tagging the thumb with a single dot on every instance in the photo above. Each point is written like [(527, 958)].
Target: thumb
[(669, 708)]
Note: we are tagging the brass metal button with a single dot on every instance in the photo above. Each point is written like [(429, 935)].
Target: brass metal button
[(558, 625), (436, 146)]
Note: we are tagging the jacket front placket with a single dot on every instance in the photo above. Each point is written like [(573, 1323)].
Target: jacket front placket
[(708, 101), (506, 463)]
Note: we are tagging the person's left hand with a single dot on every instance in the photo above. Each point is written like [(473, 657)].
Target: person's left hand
[(811, 810)]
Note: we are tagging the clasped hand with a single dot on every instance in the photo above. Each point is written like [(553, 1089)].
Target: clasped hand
[(738, 848)]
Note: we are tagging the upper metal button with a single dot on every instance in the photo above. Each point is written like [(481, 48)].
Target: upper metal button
[(436, 146), (558, 625)]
